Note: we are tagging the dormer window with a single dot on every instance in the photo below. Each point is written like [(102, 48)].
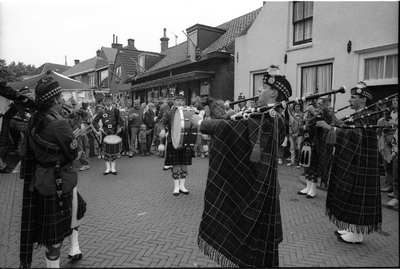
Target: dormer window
[(192, 43), (199, 37), (142, 62), (118, 71)]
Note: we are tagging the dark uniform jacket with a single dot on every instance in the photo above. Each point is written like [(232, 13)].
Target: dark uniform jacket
[(110, 119), (52, 141)]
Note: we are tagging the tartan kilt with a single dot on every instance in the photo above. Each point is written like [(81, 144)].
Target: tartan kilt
[(53, 224), (178, 156)]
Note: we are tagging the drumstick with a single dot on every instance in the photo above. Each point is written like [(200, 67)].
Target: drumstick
[(97, 139)]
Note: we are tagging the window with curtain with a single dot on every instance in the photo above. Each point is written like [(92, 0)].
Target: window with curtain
[(382, 67), (92, 79), (316, 79), (118, 71), (104, 78), (257, 83), (302, 22)]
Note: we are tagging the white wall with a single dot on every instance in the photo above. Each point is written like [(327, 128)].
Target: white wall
[(366, 24)]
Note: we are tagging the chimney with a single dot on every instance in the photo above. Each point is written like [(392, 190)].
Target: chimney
[(98, 53), (164, 41), (131, 43), (115, 44), (76, 61)]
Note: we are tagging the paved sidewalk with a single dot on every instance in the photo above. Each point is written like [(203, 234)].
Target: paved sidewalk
[(133, 220)]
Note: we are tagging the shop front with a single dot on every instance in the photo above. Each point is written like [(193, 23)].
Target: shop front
[(189, 85)]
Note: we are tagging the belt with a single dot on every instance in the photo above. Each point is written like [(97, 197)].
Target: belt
[(52, 164)]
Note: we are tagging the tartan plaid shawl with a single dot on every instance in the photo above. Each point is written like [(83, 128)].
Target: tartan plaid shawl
[(241, 222), (325, 157), (354, 198), (28, 216)]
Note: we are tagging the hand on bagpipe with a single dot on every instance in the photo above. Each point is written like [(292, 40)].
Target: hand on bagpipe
[(386, 122), (270, 109), (22, 100)]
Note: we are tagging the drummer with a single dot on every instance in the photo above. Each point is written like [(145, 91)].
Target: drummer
[(112, 124), (178, 158)]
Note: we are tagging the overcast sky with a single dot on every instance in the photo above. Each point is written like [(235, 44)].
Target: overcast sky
[(36, 32)]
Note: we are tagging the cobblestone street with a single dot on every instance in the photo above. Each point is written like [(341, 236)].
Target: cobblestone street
[(133, 220)]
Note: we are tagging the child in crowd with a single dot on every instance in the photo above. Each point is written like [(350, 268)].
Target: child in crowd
[(142, 139)]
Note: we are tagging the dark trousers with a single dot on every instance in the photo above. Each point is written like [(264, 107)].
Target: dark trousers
[(149, 140)]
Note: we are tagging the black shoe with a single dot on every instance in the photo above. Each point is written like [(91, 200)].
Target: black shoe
[(114, 173), (76, 257), (106, 173), (301, 193), (176, 193), (310, 197), (165, 168), (184, 192)]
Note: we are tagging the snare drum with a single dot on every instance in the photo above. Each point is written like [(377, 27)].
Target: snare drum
[(183, 133), (112, 144)]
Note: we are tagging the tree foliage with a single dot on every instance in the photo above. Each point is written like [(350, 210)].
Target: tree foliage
[(14, 72)]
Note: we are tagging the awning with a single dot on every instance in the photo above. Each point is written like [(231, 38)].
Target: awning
[(194, 75), (66, 83)]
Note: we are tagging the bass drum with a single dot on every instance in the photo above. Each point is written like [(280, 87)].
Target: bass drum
[(112, 144), (183, 133)]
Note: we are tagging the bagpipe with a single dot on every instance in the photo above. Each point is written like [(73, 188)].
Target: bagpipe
[(255, 98), (20, 100), (270, 109), (363, 116), (380, 102), (370, 126), (72, 116), (349, 119)]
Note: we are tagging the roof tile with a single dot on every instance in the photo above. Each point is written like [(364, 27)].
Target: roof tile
[(233, 28), (86, 66)]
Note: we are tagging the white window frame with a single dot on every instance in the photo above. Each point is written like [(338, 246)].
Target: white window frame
[(103, 75), (290, 34), (304, 41), (372, 53), (311, 64), (118, 71), (254, 87), (92, 79)]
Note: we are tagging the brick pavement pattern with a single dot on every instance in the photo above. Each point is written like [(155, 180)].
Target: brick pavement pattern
[(133, 220)]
